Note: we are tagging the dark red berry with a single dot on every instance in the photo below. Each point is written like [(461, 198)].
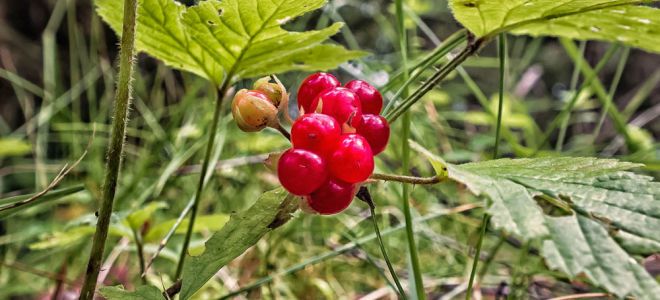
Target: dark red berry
[(301, 172), (370, 97), (341, 104), (376, 131), (312, 86), (315, 132), (352, 161), (332, 197)]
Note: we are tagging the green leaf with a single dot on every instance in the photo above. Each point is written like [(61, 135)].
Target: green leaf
[(139, 216), (243, 230), (627, 204), (580, 245), (202, 223), (13, 147), (146, 292), (76, 234), (609, 20), (48, 197), (232, 38)]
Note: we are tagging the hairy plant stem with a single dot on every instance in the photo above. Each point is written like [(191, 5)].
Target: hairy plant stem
[(200, 185), (115, 148)]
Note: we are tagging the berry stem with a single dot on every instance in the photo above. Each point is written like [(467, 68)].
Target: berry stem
[(115, 149), (408, 179), (222, 91), (283, 131)]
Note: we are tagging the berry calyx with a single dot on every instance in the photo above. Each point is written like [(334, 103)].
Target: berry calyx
[(272, 90), (376, 131), (315, 132), (352, 161), (312, 86), (370, 97), (331, 197), (301, 172), (341, 104), (253, 111)]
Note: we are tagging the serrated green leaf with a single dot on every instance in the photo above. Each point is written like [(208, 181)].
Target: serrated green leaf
[(202, 223), (609, 20), (579, 245), (625, 202), (146, 292), (242, 231), (231, 37)]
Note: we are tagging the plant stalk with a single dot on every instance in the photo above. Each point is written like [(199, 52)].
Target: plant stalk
[(402, 293), (200, 186), (115, 148), (407, 179)]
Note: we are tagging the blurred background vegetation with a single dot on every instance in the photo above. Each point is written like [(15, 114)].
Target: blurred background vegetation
[(56, 85)]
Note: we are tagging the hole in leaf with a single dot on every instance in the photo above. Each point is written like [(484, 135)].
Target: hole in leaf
[(211, 22), (552, 206)]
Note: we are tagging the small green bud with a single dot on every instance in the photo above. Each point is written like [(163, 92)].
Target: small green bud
[(253, 111)]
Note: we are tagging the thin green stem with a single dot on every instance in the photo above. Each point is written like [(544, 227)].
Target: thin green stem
[(405, 133), (610, 95), (402, 293), (200, 185), (482, 232), (574, 81), (115, 148), (568, 108), (140, 252), (502, 52), (407, 179)]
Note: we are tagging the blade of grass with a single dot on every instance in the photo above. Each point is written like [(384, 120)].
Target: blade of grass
[(574, 81), (613, 86), (405, 162), (119, 122)]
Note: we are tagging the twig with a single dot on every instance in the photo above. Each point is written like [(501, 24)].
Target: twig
[(581, 296), (60, 176), (283, 131), (407, 179), (31, 270)]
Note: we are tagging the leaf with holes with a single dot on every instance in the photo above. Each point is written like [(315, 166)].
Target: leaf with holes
[(609, 20), (599, 190), (234, 38)]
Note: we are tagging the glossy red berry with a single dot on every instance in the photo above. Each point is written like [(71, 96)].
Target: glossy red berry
[(312, 86), (341, 104), (376, 131), (301, 172), (332, 197), (352, 161), (370, 97), (315, 132)]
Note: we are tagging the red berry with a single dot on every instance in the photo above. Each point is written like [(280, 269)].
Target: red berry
[(341, 104), (376, 131), (352, 161), (312, 86), (315, 132), (301, 171), (372, 101), (332, 197)]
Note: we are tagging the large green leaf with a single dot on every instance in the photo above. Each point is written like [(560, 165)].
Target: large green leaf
[(230, 37), (610, 20), (596, 189), (242, 231), (147, 292), (580, 245)]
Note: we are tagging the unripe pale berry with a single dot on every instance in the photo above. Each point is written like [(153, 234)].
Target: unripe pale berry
[(253, 111), (331, 197), (352, 160), (341, 104), (376, 131), (301, 172), (272, 90), (370, 97), (315, 132), (312, 86)]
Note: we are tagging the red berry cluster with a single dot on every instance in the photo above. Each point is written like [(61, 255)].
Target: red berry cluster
[(334, 141)]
